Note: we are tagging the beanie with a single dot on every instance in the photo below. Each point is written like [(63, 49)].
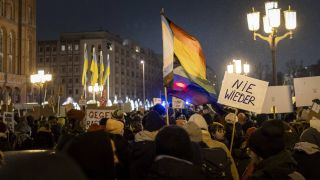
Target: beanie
[(152, 121), (174, 141), (114, 126), (268, 140)]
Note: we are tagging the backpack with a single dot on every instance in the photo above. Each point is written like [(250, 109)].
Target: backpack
[(216, 164)]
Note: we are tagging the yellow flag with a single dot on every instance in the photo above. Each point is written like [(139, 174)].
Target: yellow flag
[(85, 65), (94, 68), (101, 78), (107, 73)]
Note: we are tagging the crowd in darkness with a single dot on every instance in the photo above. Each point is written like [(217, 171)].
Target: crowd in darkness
[(198, 144)]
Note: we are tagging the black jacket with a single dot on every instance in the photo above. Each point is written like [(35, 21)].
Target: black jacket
[(275, 167), (171, 168), (308, 163)]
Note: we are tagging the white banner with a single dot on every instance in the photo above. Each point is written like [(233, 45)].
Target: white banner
[(177, 103), (94, 115), (280, 98), (243, 92), (306, 89)]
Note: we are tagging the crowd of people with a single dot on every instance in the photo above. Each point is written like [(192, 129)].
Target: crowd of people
[(198, 144)]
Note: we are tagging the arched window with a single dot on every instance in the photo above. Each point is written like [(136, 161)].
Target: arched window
[(10, 10), (1, 50), (1, 7), (10, 52)]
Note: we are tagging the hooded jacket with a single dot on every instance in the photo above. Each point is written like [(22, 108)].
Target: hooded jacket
[(200, 135), (279, 166), (172, 168)]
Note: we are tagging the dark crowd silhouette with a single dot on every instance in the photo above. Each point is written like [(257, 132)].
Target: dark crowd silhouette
[(198, 144)]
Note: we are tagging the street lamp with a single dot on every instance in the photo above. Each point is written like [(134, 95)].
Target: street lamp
[(144, 90), (95, 89), (237, 67), (40, 79), (271, 22)]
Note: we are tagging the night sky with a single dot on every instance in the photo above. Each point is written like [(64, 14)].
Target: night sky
[(219, 25)]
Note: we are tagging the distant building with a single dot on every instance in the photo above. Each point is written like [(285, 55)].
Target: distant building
[(64, 59), (17, 48)]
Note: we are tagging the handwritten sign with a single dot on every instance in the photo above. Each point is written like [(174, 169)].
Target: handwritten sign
[(243, 92), (156, 101), (177, 103), (280, 98), (94, 115), (306, 89)]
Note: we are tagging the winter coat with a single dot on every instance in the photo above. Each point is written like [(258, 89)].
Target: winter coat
[(308, 157), (142, 156), (145, 136), (171, 168), (276, 167), (206, 138)]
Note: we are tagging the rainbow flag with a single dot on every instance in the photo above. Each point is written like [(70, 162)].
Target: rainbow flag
[(94, 68), (184, 66), (85, 65)]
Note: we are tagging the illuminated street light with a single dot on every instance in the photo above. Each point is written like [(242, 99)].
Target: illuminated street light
[(40, 79), (271, 23), (237, 67)]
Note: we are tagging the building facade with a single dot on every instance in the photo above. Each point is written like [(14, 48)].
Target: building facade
[(17, 48), (64, 59)]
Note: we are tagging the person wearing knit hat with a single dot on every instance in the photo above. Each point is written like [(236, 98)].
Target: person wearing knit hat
[(217, 131), (307, 153), (267, 151), (114, 126), (94, 153), (174, 156), (197, 129), (118, 114)]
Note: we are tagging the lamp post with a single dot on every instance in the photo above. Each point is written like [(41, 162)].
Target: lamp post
[(271, 23), (40, 79), (95, 89), (143, 82), (237, 67)]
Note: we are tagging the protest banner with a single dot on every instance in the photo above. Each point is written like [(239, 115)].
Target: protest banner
[(156, 101), (94, 115), (306, 89), (278, 98), (177, 103), (243, 92)]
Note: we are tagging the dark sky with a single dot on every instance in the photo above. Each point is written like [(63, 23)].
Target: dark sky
[(219, 25)]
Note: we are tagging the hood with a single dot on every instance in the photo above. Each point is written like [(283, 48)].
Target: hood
[(145, 136), (278, 166), (193, 131), (315, 124), (306, 147), (199, 121)]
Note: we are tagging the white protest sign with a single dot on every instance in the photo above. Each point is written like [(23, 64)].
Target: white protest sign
[(306, 89), (94, 115), (280, 98), (243, 92), (177, 103), (156, 101)]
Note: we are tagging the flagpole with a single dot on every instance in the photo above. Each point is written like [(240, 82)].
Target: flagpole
[(167, 106), (108, 79)]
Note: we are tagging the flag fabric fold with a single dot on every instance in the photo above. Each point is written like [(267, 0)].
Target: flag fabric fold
[(94, 68), (107, 72), (85, 65), (101, 75), (184, 67)]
